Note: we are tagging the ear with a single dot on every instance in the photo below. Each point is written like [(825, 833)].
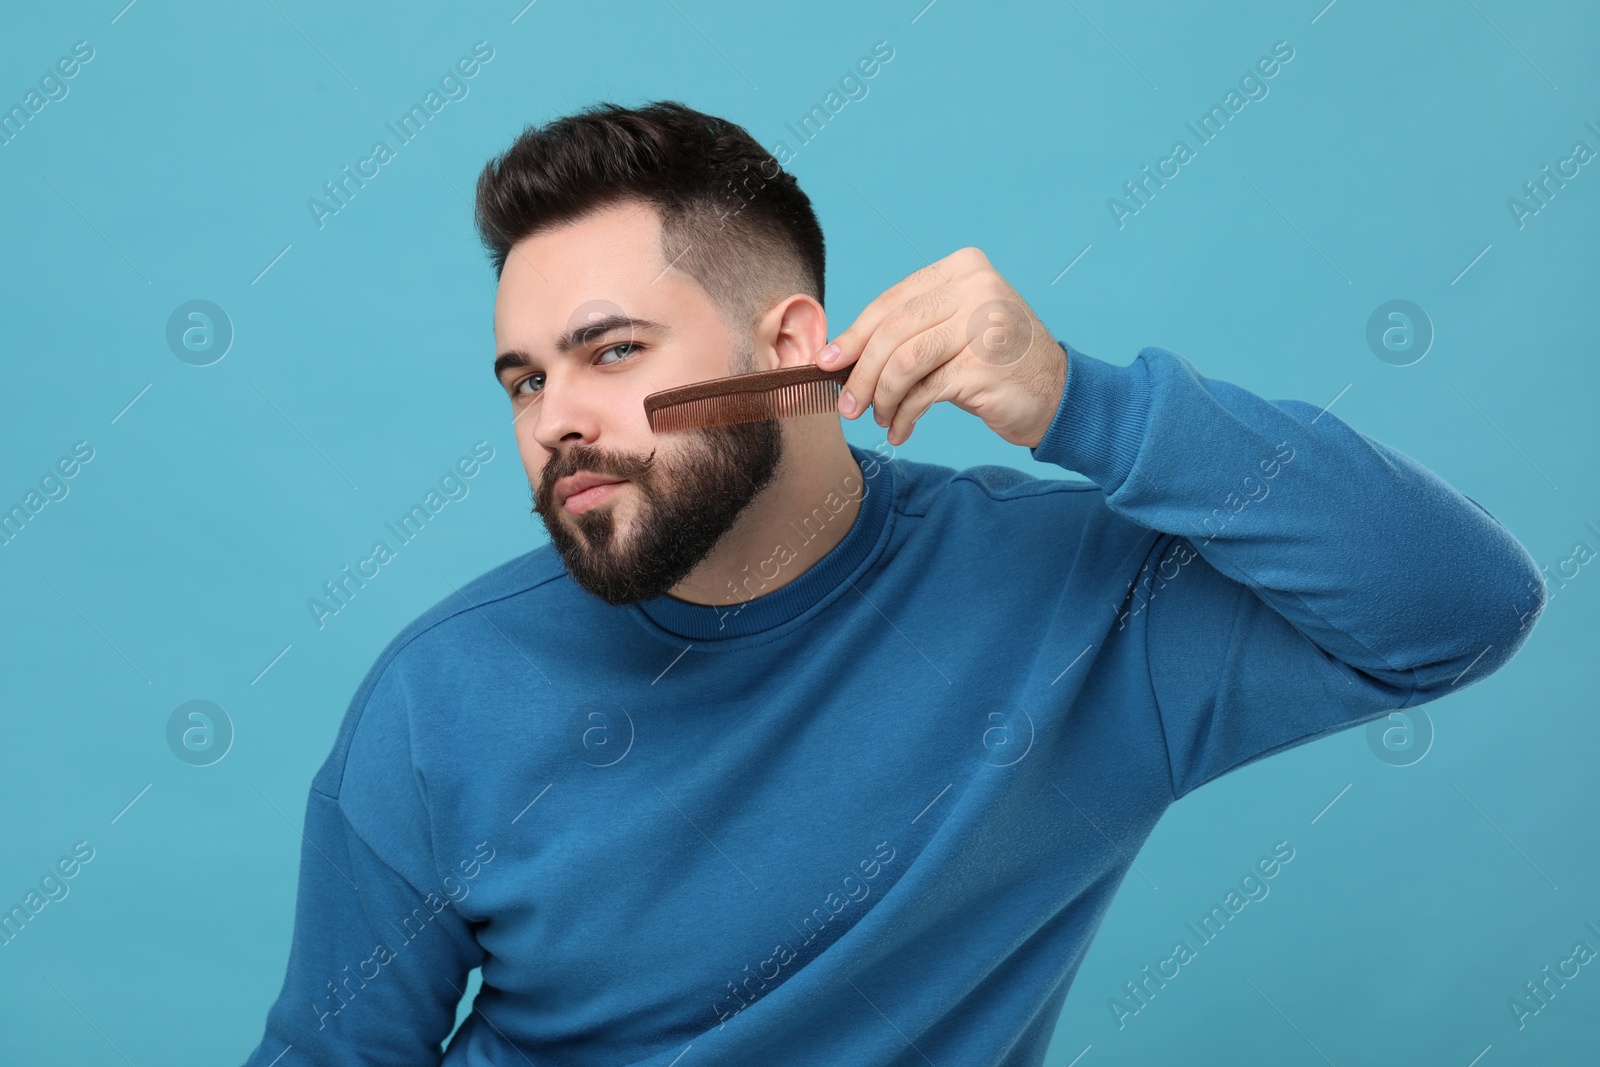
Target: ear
[(791, 333)]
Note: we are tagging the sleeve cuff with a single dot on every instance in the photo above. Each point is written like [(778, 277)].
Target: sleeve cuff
[(1100, 424)]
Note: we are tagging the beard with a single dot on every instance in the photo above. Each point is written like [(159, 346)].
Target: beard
[(685, 506)]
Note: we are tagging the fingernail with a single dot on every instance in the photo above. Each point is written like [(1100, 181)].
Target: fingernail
[(830, 353), (847, 403)]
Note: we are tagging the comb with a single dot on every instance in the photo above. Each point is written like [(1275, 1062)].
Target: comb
[(753, 397)]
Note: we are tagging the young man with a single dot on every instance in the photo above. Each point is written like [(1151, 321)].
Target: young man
[(796, 753)]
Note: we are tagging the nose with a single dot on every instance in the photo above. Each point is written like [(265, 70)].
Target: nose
[(565, 415)]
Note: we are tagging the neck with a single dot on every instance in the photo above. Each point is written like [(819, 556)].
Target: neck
[(807, 508)]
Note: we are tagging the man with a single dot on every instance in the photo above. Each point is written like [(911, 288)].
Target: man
[(796, 753)]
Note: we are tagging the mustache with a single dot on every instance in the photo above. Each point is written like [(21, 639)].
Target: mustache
[(589, 458)]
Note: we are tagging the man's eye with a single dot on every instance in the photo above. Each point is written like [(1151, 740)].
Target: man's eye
[(613, 348), (519, 390)]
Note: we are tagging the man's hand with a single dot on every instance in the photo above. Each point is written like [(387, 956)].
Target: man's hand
[(955, 330)]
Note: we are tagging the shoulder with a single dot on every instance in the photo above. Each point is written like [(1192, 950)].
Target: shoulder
[(379, 712), (1039, 529), (924, 487)]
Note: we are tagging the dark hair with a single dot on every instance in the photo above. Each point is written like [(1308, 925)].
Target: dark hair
[(731, 217)]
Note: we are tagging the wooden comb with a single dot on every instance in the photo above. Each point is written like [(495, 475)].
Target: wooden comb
[(753, 397)]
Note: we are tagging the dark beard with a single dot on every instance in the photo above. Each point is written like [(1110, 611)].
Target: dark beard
[(683, 511)]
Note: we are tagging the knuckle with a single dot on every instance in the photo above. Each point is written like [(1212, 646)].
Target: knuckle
[(993, 287), (907, 357), (894, 321), (972, 260)]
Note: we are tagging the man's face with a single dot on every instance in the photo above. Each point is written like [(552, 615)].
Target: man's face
[(587, 322)]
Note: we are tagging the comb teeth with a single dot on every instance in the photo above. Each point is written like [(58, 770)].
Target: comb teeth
[(807, 398), (753, 397)]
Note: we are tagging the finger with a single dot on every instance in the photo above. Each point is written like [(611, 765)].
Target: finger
[(937, 386), (877, 381), (854, 339), (912, 361)]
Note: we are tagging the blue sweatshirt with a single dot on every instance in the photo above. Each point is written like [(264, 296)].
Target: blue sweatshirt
[(873, 816)]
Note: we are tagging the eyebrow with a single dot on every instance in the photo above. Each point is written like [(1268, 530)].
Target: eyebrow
[(578, 336)]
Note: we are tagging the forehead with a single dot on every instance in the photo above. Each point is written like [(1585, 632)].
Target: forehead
[(607, 255), (607, 263)]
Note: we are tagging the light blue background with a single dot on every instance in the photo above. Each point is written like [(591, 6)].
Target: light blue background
[(178, 168)]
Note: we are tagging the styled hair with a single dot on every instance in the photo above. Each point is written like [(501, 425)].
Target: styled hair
[(731, 217)]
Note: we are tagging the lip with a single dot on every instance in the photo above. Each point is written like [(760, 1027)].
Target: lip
[(579, 492)]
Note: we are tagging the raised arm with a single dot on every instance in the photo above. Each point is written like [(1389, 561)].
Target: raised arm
[(1302, 578)]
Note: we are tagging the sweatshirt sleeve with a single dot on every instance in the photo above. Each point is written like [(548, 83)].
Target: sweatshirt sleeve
[(1302, 577), (380, 953)]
